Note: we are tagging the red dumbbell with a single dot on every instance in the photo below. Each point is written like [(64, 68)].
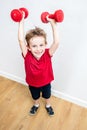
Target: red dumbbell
[(17, 14), (58, 16)]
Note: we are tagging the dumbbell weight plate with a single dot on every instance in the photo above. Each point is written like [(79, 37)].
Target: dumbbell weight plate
[(25, 11), (16, 15), (59, 15), (43, 17)]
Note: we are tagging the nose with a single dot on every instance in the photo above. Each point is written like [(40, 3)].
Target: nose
[(38, 48)]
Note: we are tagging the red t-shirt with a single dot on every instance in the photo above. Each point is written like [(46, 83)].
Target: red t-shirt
[(38, 72)]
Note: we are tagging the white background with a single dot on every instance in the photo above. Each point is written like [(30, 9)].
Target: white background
[(69, 61)]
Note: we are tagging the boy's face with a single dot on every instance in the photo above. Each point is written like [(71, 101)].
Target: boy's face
[(37, 46)]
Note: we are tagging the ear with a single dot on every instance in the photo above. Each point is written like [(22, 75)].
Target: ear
[(28, 48)]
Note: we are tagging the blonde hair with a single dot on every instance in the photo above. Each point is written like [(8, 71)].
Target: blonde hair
[(35, 32)]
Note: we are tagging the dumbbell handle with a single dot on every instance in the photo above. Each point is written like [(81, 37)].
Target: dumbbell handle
[(51, 16)]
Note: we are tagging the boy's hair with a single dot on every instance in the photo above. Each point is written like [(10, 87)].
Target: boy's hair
[(35, 32)]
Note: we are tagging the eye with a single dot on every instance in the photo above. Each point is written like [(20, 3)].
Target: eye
[(33, 45), (41, 45)]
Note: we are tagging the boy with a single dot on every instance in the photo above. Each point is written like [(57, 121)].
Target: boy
[(37, 60)]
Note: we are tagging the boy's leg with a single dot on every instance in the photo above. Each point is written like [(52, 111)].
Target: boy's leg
[(35, 92), (49, 108), (36, 102), (46, 93), (35, 107), (48, 102)]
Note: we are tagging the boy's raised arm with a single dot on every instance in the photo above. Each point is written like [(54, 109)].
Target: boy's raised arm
[(55, 43), (21, 38)]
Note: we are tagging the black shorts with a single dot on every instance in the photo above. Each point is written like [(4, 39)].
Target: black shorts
[(35, 92)]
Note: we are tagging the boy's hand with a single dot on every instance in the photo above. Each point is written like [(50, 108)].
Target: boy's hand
[(23, 14), (50, 20)]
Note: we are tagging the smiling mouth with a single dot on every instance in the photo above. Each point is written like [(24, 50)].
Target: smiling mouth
[(38, 53)]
